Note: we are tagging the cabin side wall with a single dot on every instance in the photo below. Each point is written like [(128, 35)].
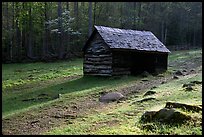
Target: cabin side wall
[(121, 63), (135, 62), (97, 58)]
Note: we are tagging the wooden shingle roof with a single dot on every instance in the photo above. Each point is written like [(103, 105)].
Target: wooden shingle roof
[(131, 39)]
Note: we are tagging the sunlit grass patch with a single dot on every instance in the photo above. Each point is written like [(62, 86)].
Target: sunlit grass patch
[(16, 75)]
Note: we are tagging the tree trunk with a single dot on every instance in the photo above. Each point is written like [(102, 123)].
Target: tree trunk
[(76, 13), (67, 5), (162, 31), (24, 38), (94, 13), (194, 37), (134, 5), (60, 32), (30, 40), (7, 45), (13, 35), (121, 15), (45, 41), (82, 6), (139, 15), (90, 18), (165, 35), (18, 35)]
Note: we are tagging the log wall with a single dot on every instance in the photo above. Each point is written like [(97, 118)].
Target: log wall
[(97, 58)]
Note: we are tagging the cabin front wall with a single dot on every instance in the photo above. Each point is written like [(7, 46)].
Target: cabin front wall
[(97, 58)]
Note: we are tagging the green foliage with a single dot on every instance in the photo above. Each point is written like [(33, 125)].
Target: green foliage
[(173, 23)]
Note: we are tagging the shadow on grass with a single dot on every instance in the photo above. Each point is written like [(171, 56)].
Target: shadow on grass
[(27, 99)]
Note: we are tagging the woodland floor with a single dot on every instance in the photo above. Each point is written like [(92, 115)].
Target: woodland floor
[(82, 113)]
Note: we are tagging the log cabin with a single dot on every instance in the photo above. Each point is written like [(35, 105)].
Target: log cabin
[(113, 51)]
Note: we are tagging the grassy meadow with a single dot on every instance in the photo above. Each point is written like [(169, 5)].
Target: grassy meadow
[(33, 86)]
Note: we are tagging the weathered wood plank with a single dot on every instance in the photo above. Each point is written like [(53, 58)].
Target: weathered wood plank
[(98, 59), (97, 56), (98, 63), (97, 74), (121, 73), (98, 71), (96, 67)]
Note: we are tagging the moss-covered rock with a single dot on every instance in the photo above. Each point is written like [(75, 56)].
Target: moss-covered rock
[(165, 115)]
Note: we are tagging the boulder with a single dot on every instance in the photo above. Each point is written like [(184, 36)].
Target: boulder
[(165, 115), (109, 97), (148, 116), (178, 72), (171, 116)]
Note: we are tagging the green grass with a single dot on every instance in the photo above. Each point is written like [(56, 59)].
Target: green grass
[(83, 85), (17, 75), (31, 80), (182, 55), (101, 122)]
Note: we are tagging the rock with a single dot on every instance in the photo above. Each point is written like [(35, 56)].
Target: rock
[(190, 84), (149, 93), (145, 74), (160, 75), (184, 70), (144, 79), (165, 115), (163, 82), (103, 92), (59, 95), (146, 99), (109, 97), (196, 82), (189, 88), (175, 77), (154, 87), (148, 116), (196, 108), (171, 116), (178, 72)]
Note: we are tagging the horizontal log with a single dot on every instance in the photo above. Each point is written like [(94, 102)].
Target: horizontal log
[(97, 67), (97, 71), (97, 74), (98, 63), (97, 56), (99, 59)]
